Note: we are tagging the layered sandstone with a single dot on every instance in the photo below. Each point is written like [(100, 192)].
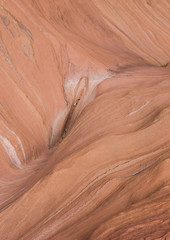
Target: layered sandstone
[(85, 119)]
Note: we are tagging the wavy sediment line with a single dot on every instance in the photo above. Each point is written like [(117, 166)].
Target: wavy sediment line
[(9, 148)]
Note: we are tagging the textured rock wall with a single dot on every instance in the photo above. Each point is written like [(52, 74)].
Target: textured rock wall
[(85, 119)]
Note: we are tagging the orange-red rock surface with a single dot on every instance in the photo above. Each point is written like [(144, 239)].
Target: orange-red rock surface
[(85, 119)]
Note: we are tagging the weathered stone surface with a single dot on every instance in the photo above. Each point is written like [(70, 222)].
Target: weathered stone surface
[(85, 119)]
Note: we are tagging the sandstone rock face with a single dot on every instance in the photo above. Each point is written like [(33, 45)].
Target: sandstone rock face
[(85, 120)]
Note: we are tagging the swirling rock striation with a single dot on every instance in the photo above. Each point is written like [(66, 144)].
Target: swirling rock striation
[(85, 120)]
